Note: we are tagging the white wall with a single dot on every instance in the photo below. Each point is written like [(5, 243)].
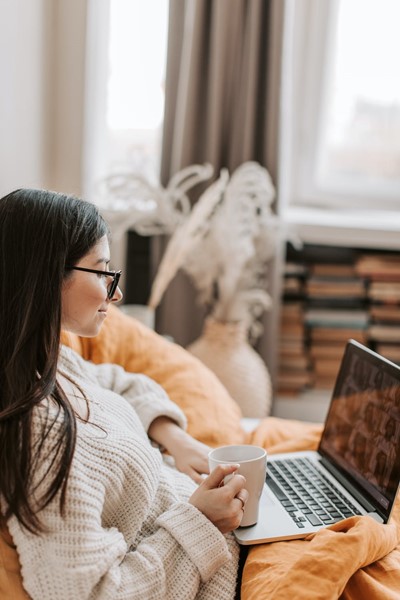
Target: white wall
[(42, 62), (22, 98), (68, 45)]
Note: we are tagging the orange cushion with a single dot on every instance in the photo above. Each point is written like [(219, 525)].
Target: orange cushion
[(10, 570), (213, 416)]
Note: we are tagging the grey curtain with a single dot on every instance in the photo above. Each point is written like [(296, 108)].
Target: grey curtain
[(222, 89)]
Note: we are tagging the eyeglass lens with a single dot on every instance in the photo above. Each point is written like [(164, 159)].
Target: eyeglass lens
[(113, 285)]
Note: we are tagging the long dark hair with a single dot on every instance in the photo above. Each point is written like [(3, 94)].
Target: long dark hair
[(40, 233)]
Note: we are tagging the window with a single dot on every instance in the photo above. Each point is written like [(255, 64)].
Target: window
[(126, 57), (341, 129)]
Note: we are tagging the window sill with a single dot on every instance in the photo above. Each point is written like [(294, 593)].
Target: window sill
[(369, 229)]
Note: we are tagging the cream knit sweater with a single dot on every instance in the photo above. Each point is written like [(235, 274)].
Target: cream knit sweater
[(128, 531)]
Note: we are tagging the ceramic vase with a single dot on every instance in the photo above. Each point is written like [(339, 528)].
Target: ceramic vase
[(224, 348)]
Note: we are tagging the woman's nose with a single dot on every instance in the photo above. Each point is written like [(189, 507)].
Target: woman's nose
[(118, 295)]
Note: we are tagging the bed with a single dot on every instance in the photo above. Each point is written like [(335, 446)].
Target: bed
[(356, 559)]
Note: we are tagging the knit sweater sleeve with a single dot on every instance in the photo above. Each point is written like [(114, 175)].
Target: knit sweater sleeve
[(147, 397), (81, 556)]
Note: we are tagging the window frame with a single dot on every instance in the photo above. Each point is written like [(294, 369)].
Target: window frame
[(305, 69)]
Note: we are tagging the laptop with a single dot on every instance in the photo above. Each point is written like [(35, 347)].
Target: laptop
[(356, 469)]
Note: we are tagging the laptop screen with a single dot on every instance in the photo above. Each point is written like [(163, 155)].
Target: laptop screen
[(362, 429)]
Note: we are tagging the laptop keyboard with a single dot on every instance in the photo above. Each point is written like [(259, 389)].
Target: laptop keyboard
[(306, 494)]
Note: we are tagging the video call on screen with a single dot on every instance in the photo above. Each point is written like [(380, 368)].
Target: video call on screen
[(364, 422)]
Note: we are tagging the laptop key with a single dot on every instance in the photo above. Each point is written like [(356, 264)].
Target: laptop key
[(326, 518), (332, 510), (274, 487), (313, 519)]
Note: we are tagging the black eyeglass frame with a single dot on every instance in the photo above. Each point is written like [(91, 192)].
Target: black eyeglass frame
[(114, 274)]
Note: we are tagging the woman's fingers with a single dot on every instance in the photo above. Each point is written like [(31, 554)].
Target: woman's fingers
[(217, 476), (195, 475), (221, 502), (236, 484), (242, 496)]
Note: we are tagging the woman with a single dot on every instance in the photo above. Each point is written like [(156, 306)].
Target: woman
[(91, 506)]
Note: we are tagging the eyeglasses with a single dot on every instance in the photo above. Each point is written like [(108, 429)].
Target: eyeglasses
[(114, 274)]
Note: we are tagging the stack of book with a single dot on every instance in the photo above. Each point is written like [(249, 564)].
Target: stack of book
[(294, 363), (335, 286), (328, 332), (336, 313), (382, 272), (332, 294), (293, 281)]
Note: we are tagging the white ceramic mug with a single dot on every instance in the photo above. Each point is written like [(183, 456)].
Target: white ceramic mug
[(252, 461)]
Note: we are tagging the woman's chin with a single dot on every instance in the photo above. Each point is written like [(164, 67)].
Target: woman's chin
[(93, 331), (87, 331)]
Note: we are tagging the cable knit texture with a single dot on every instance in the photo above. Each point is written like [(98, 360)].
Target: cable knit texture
[(128, 531)]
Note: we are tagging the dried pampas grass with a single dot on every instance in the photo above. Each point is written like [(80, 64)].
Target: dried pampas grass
[(186, 238), (224, 246), (128, 200)]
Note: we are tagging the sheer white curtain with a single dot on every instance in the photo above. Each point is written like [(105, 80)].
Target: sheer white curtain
[(126, 49)]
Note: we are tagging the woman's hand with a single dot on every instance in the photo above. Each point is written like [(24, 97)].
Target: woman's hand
[(221, 503), (190, 456)]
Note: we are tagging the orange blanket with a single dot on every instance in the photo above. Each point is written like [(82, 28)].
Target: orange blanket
[(356, 559)]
